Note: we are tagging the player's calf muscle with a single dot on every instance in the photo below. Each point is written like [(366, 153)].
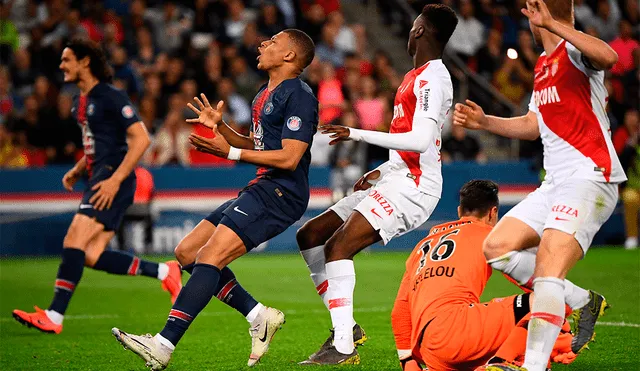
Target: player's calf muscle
[(558, 253)]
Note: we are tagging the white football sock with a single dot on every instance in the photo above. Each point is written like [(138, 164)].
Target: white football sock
[(162, 340), (518, 265), (253, 314), (547, 316), (315, 260), (342, 281), (163, 271), (54, 316), (575, 296)]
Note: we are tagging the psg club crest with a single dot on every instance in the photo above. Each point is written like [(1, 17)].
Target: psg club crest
[(91, 109), (294, 123), (268, 108)]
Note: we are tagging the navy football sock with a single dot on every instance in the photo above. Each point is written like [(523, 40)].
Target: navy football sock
[(118, 262), (193, 297), (69, 274), (230, 292)]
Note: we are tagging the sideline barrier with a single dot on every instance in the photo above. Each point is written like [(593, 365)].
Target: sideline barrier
[(35, 211)]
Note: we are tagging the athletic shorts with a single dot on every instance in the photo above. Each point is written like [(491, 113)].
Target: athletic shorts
[(111, 218), (575, 206), (465, 336), (394, 206), (253, 216)]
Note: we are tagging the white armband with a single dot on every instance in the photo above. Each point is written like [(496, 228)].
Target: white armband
[(234, 154)]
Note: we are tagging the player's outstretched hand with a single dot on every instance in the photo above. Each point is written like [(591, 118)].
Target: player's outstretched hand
[(217, 146), (207, 115), (469, 115), (366, 181), (106, 192), (538, 13), (338, 133), (70, 178)]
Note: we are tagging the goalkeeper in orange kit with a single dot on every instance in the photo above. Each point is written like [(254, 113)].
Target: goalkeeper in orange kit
[(438, 320)]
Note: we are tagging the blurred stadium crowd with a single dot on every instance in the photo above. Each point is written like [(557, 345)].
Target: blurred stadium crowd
[(165, 52)]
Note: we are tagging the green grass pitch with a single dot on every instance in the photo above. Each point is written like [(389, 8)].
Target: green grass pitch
[(219, 340)]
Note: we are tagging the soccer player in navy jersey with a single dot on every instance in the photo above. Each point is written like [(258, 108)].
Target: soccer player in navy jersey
[(114, 139), (284, 120)]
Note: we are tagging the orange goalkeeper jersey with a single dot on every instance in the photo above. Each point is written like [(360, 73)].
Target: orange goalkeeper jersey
[(445, 268)]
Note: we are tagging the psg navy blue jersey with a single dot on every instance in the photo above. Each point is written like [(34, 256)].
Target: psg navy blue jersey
[(290, 111), (104, 115)]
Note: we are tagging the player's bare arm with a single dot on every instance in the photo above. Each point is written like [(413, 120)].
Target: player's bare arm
[(599, 53), (471, 116), (138, 142), (71, 177), (286, 158), (212, 118), (396, 141)]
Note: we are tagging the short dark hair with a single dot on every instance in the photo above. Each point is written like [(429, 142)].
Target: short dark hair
[(98, 65), (478, 197), (442, 21), (561, 9), (305, 45)]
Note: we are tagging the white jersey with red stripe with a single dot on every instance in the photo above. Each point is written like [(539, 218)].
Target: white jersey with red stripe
[(569, 99), (424, 98)]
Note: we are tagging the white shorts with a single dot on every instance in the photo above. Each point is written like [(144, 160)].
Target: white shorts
[(394, 206), (574, 206)]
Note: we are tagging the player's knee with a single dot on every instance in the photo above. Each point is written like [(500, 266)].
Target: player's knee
[(81, 231), (497, 246), (184, 253), (309, 236)]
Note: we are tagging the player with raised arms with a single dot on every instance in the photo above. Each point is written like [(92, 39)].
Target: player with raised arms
[(580, 189), (114, 139), (437, 319), (284, 120), (407, 190)]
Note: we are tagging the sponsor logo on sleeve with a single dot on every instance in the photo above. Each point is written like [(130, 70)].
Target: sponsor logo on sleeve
[(127, 111), (294, 123), (424, 99)]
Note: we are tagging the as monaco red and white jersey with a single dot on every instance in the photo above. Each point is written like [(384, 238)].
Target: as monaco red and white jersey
[(569, 99), (424, 98)]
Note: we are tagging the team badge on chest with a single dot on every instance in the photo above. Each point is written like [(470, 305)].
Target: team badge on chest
[(268, 108)]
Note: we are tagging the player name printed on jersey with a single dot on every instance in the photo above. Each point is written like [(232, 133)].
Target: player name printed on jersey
[(545, 96)]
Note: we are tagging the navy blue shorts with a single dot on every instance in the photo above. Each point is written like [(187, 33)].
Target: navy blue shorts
[(254, 217), (111, 218)]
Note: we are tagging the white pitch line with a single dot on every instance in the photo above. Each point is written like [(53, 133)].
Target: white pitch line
[(618, 324)]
